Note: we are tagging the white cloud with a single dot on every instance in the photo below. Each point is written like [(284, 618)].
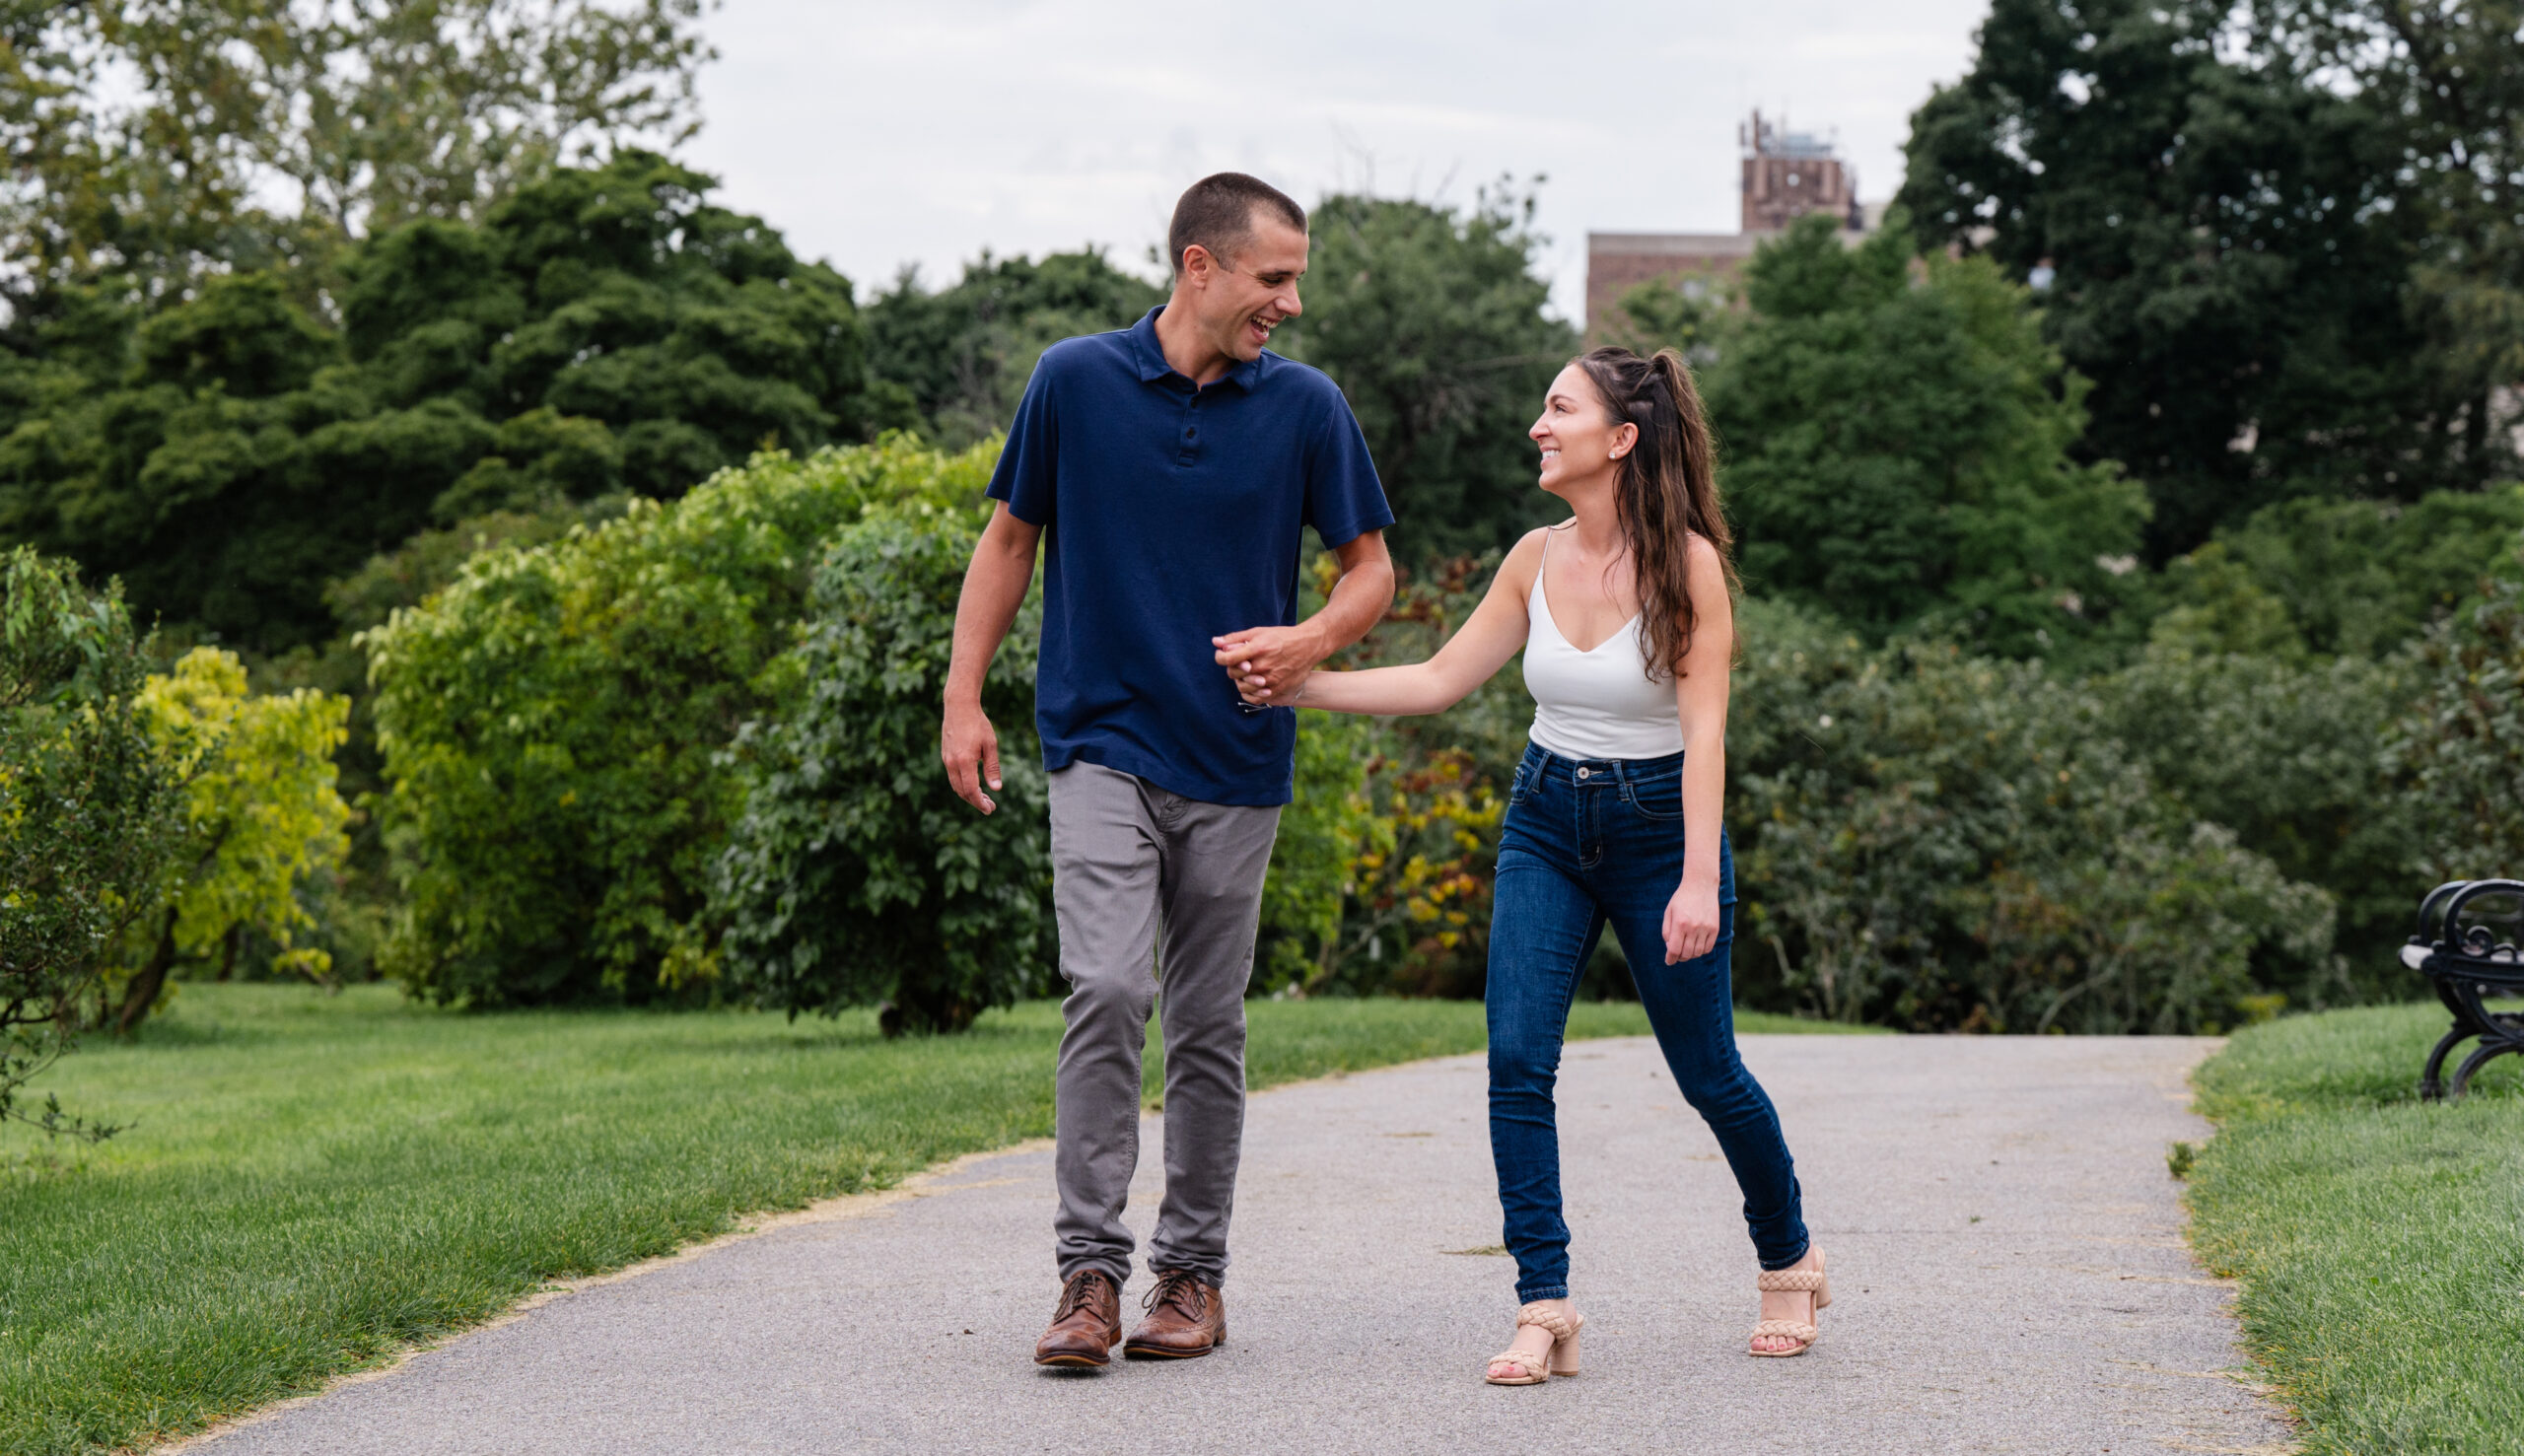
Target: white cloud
[(878, 135)]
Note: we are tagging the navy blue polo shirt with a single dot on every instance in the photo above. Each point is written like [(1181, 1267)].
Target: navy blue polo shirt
[(1171, 515)]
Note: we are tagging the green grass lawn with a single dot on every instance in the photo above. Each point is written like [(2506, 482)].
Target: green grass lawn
[(310, 1181), (2380, 1240)]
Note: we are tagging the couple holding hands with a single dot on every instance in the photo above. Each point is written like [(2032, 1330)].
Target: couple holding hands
[(1167, 470)]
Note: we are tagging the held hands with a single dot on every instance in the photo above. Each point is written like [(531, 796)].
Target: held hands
[(1691, 922), (1269, 665), (971, 749)]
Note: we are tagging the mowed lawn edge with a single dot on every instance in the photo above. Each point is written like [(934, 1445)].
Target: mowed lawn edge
[(2374, 1237), (313, 1184)]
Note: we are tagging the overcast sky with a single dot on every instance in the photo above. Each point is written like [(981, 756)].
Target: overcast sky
[(923, 131)]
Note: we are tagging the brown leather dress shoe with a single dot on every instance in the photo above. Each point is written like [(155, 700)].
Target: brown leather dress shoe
[(1086, 1325), (1186, 1318)]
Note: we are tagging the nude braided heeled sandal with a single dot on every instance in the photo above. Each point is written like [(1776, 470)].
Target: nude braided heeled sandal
[(1533, 1368), (1815, 1282)]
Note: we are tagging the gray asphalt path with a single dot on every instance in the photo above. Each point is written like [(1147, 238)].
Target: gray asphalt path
[(2008, 1270)]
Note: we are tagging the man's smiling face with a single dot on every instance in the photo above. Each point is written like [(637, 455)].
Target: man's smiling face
[(1244, 296)]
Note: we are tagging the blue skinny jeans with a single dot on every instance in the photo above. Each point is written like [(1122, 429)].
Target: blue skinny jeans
[(1588, 843)]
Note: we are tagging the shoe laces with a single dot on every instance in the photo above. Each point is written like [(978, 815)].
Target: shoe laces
[(1181, 1289), (1077, 1293)]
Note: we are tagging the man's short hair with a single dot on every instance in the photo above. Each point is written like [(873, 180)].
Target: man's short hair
[(1217, 212)]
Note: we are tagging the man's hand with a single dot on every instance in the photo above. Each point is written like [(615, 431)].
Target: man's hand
[(970, 747), (994, 585), (1268, 664)]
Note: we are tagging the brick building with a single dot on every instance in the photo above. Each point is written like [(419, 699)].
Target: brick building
[(1785, 176), (1790, 173)]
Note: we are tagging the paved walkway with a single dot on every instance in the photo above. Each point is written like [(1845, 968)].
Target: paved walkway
[(2008, 1270)]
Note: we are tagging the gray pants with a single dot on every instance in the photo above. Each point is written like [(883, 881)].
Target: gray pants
[(1156, 893)]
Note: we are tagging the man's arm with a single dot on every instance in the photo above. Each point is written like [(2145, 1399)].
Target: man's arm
[(1003, 567), (1274, 662)]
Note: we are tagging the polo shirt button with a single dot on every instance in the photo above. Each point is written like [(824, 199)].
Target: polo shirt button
[(1191, 434)]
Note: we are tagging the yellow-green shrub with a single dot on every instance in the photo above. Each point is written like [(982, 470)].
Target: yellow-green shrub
[(261, 816)]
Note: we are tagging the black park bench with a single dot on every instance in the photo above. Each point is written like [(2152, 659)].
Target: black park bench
[(2467, 946)]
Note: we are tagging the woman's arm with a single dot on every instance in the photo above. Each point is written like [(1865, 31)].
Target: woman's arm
[(1699, 693), (1480, 648)]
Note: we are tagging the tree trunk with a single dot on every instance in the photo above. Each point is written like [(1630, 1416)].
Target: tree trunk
[(142, 993), (227, 952)]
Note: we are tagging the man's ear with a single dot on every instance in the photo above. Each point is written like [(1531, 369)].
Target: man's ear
[(1198, 265)]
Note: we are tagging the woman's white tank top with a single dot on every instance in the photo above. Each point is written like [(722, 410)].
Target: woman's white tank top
[(1598, 704)]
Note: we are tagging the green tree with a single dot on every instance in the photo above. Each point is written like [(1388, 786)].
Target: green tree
[(158, 141), (2446, 84), (603, 330), (553, 726), (854, 875), (91, 811), (262, 818), (2460, 750), (962, 355), (1897, 449), (2230, 263), (1432, 319)]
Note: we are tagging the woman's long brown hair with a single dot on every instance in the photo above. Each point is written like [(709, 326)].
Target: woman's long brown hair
[(1668, 490)]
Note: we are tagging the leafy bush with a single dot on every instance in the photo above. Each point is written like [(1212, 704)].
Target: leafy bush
[(1315, 857), (2461, 750), (91, 810), (2287, 753), (2347, 577), (551, 727), (855, 874), (262, 818), (1944, 842), (1416, 911), (1381, 878)]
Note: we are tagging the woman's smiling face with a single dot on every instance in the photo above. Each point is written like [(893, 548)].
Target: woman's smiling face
[(1576, 434)]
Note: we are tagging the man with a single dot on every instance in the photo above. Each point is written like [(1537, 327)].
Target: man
[(1167, 469)]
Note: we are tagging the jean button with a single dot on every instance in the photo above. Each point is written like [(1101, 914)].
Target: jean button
[(1581, 773)]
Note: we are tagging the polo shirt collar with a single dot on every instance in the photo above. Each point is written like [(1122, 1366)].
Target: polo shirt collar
[(1150, 356)]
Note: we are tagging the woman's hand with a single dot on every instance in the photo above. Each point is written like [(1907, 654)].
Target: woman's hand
[(1691, 922), (1260, 697)]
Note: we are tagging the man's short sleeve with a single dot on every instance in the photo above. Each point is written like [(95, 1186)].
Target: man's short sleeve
[(1344, 500), (1028, 465)]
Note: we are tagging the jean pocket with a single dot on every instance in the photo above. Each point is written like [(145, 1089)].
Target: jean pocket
[(1660, 798), (1521, 786)]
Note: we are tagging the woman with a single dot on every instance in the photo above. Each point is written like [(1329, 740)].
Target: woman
[(1625, 615)]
